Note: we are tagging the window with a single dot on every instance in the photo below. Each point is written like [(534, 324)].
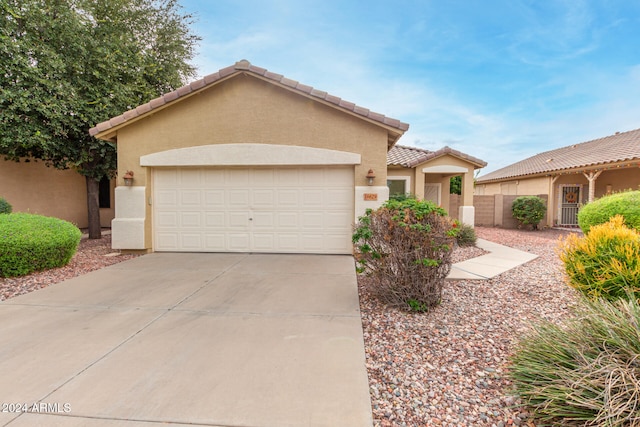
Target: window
[(398, 185), (104, 193)]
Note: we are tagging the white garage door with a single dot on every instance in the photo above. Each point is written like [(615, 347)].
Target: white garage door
[(265, 209)]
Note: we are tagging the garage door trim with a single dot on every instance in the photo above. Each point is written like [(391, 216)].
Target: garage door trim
[(250, 155)]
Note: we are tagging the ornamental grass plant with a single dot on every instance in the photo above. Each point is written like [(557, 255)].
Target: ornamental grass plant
[(585, 372)]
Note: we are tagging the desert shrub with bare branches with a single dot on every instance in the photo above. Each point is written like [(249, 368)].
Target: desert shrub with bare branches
[(405, 249)]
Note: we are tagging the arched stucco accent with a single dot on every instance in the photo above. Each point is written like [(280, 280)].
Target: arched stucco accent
[(249, 155), (445, 169)]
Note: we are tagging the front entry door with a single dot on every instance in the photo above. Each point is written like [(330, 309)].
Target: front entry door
[(569, 205)]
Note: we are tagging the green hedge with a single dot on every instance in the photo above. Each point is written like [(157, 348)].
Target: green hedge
[(529, 210), (31, 243), (601, 210), (5, 207)]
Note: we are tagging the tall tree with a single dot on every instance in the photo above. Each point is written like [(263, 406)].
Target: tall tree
[(66, 65)]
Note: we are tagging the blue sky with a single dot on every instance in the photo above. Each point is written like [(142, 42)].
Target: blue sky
[(501, 80)]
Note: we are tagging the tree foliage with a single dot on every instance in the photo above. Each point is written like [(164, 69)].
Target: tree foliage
[(70, 64)]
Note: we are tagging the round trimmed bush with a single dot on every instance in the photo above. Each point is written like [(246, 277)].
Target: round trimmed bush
[(529, 210), (5, 207), (31, 243), (601, 210)]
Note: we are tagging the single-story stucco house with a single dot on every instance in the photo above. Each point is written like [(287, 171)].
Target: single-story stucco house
[(244, 160), (571, 176), (427, 175)]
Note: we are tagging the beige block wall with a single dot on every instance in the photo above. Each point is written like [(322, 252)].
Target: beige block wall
[(35, 188), (245, 109)]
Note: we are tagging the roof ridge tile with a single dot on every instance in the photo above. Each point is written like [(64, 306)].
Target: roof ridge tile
[(244, 66)]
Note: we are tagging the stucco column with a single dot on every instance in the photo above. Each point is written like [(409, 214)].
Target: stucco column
[(592, 177), (551, 203), (419, 184), (466, 212)]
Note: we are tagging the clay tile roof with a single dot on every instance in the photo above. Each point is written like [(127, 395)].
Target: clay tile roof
[(620, 147), (408, 157), (246, 67)]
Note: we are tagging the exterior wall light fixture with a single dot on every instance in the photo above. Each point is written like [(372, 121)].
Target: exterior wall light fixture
[(128, 178), (370, 177)]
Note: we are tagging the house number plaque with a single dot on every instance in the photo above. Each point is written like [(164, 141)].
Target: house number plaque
[(371, 197)]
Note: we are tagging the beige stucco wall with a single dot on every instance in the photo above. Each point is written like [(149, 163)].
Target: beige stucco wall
[(35, 188), (245, 109)]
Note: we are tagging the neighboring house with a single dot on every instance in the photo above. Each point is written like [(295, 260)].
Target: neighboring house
[(247, 160), (427, 174), (31, 186), (572, 175)]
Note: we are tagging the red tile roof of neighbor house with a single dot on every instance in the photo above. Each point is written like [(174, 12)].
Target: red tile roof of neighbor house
[(408, 157), (246, 67), (620, 147)]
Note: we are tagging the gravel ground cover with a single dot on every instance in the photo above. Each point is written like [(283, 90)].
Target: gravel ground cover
[(443, 368), (91, 255), (448, 367)]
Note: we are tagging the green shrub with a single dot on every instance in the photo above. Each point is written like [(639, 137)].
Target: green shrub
[(5, 207), (601, 210), (585, 371), (31, 243), (606, 262), (405, 249), (466, 235), (529, 210)]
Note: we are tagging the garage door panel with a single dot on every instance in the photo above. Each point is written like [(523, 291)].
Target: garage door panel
[(237, 177), (238, 241), (191, 219), (216, 220), (215, 242), (190, 241), (312, 220), (238, 219), (214, 177), (313, 197), (312, 242), (213, 198), (289, 198), (263, 220), (289, 220), (264, 242), (287, 177), (263, 198), (167, 220), (338, 198), (166, 198), (336, 220), (191, 198), (166, 241), (271, 209), (238, 198), (167, 179), (263, 178)]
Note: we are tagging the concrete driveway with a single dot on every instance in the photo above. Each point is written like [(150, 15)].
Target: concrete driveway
[(183, 339)]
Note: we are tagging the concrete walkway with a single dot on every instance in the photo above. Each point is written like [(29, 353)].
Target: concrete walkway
[(499, 260), (189, 339)]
